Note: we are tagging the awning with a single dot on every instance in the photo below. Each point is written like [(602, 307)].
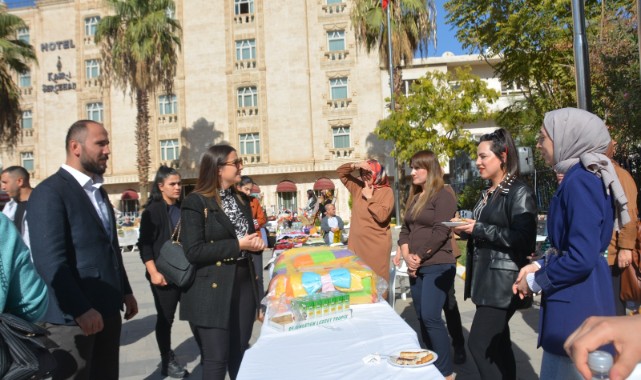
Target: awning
[(324, 184), (286, 187), (255, 189), (129, 194)]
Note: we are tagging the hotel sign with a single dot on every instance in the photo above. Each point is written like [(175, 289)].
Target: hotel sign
[(59, 81), (58, 45)]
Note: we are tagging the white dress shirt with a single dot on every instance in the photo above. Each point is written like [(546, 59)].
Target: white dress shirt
[(92, 188)]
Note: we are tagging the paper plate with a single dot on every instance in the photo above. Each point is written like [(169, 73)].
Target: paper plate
[(392, 359)]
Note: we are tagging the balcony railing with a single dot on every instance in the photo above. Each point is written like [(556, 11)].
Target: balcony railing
[(246, 64), (171, 163), (26, 90), (246, 18), (88, 40), (249, 159), (93, 82), (339, 104), (336, 55), (26, 132), (337, 8), (168, 119), (247, 111), (341, 152)]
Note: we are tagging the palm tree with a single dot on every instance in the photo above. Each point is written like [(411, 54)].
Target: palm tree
[(139, 46), (15, 57), (413, 27)]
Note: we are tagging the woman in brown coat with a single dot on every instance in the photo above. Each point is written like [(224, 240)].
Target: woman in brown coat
[(370, 237)]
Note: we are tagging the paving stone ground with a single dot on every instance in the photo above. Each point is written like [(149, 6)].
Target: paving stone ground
[(140, 359)]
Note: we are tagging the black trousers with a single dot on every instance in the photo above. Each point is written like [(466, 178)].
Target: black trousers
[(619, 305), (166, 299), (490, 345), (452, 319), (222, 349), (81, 357)]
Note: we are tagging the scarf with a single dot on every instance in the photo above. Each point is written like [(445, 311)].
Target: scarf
[(579, 136), (379, 176)]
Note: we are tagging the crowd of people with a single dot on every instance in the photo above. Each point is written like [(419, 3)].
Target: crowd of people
[(61, 264)]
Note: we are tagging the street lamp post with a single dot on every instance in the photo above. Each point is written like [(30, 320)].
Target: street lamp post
[(581, 58), (397, 204)]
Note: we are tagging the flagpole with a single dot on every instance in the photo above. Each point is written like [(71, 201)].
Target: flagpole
[(397, 204)]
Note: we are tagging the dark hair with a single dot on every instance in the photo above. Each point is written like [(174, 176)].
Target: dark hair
[(18, 171), (78, 132), (502, 142), (161, 175), (208, 182), (310, 194), (245, 180)]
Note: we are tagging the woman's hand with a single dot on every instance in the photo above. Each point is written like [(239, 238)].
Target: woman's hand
[(158, 279), (624, 332), (520, 286), (466, 228), (624, 258), (251, 242), (362, 165), (413, 261)]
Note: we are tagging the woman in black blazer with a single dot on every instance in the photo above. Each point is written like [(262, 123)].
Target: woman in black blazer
[(161, 215), (219, 238)]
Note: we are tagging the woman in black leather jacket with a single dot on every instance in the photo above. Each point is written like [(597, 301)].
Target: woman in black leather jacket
[(500, 238)]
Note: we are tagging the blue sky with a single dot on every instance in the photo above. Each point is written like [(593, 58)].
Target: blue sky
[(445, 35), (445, 39)]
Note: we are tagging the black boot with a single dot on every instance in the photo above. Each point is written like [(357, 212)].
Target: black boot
[(171, 367)]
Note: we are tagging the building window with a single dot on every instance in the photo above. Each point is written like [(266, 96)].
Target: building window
[(242, 7), (91, 24), (26, 159), (168, 104), (336, 40), (24, 79), (23, 35), (287, 201), (341, 137), (334, 1), (249, 143), (510, 87), (338, 88), (94, 112), (245, 49), (171, 13), (92, 68), (27, 120), (247, 97), (169, 150)]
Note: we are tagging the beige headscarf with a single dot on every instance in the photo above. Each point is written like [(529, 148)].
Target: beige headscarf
[(578, 135)]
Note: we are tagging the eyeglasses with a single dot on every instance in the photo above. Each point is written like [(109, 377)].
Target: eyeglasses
[(237, 163)]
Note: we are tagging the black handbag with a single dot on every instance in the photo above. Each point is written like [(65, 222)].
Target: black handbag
[(172, 262), (24, 350)]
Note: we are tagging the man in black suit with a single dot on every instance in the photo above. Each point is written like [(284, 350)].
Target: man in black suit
[(75, 250)]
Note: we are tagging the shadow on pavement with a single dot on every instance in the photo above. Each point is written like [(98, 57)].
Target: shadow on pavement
[(136, 329)]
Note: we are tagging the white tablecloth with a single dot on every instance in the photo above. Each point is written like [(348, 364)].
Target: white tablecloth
[(336, 351)]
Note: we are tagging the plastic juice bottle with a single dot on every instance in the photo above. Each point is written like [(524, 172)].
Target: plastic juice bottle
[(325, 303), (337, 237), (346, 301), (309, 307), (318, 306), (332, 303), (339, 302)]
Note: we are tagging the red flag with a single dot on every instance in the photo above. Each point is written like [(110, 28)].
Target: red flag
[(385, 4)]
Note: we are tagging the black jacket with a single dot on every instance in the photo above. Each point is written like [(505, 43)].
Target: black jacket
[(155, 230), (211, 245), (78, 260), (503, 236)]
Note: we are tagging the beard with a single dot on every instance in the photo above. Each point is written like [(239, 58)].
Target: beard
[(94, 166)]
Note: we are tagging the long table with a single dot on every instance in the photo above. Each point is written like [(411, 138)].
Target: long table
[(336, 351)]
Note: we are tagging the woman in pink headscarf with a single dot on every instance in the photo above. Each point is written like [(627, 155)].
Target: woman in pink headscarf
[(372, 204)]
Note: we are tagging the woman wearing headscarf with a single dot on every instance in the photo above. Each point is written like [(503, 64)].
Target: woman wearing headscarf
[(218, 237), (574, 274), (370, 237), (501, 236)]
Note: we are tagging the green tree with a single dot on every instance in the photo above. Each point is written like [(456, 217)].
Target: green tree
[(15, 57), (413, 26), (534, 38), (139, 45), (435, 114)]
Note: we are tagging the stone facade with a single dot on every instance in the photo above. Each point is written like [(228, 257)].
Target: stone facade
[(284, 76)]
